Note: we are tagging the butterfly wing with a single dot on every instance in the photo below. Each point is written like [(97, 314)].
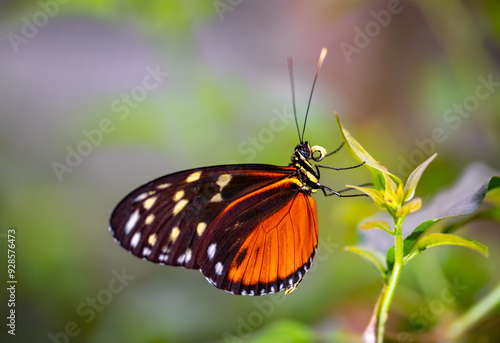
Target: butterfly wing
[(267, 247), (201, 217)]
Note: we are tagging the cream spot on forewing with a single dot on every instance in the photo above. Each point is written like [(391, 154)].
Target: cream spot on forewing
[(194, 176), (152, 239), (223, 180), (219, 268), (149, 203), (216, 198), (163, 186), (211, 251), (135, 240), (174, 234), (132, 220), (149, 219), (179, 206), (178, 195), (201, 228)]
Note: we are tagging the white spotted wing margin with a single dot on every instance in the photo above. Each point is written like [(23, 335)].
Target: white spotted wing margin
[(182, 219)]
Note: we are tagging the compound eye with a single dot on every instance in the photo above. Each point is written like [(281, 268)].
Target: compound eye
[(318, 153)]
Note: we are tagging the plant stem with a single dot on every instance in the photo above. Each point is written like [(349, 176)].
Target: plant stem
[(474, 314), (388, 292)]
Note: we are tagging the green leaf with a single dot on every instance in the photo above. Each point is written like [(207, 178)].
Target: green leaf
[(377, 197), (412, 181), (372, 256), (436, 239), (471, 203), (410, 207), (376, 224), (358, 151)]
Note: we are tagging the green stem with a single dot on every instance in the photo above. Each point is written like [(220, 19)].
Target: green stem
[(388, 292), (474, 314)]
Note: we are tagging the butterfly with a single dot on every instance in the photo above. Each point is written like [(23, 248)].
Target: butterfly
[(251, 229)]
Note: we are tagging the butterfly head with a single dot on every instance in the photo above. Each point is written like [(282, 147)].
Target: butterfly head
[(304, 152)]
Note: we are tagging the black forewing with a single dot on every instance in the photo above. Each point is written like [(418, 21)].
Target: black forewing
[(168, 219)]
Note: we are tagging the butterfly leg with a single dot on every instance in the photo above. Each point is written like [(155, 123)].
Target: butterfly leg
[(339, 193), (335, 168)]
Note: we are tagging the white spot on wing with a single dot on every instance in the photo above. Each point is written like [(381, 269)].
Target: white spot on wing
[(243, 292), (189, 254), (223, 180), (194, 176), (150, 218), (140, 197), (179, 206), (219, 268), (149, 203), (174, 234), (162, 257), (216, 198), (178, 195), (132, 220), (152, 239), (211, 251), (163, 186), (181, 259), (201, 228), (135, 239), (146, 251)]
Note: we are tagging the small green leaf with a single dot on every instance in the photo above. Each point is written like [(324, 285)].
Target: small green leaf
[(358, 151), (410, 207), (376, 224), (410, 241), (411, 183), (435, 239), (371, 256), (377, 197)]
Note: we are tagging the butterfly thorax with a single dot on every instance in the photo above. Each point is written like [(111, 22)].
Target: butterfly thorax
[(306, 173)]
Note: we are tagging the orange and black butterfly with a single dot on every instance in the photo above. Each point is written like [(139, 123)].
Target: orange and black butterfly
[(251, 229)]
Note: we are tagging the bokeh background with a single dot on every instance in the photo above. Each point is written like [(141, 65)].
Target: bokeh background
[(82, 124)]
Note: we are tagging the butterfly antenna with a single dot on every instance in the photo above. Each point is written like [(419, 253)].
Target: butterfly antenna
[(290, 71), (320, 62)]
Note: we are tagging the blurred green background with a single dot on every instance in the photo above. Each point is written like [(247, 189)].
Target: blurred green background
[(82, 124)]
